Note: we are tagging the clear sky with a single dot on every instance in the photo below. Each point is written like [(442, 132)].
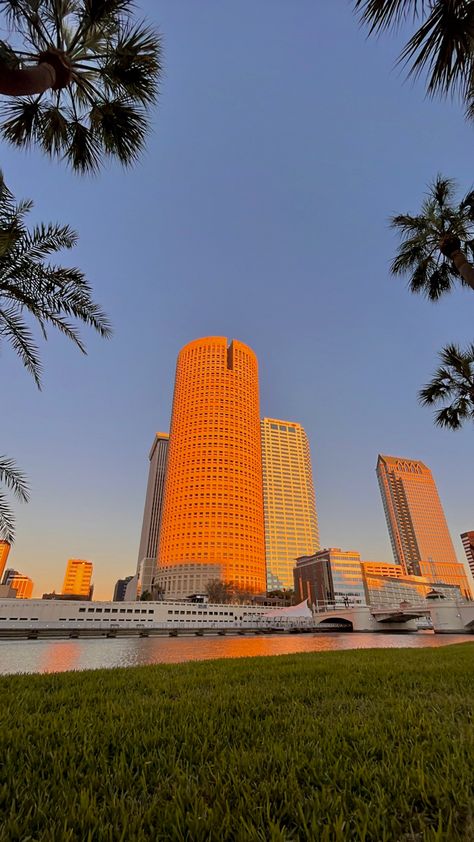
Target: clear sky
[(282, 143)]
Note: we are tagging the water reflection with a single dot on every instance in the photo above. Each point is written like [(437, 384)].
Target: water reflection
[(60, 655)]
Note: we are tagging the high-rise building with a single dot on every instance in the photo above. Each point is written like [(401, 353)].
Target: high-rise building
[(212, 524), (467, 539), (419, 534), (146, 562), (77, 579), (4, 551), (332, 576), (121, 589), (291, 525), (22, 584)]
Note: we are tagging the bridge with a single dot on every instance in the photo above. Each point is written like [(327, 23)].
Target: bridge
[(445, 617)]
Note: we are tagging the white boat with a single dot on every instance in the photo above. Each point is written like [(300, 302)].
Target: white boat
[(48, 617)]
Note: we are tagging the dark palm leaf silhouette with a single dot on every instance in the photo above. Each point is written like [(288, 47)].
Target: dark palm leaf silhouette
[(452, 385), (95, 75), (437, 244), (30, 285), (14, 480), (441, 46)]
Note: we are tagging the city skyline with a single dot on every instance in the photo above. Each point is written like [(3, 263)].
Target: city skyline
[(275, 231)]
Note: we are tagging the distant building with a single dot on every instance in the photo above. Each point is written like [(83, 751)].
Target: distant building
[(212, 524), (386, 584), (146, 563), (291, 524), (4, 551), (331, 576), (23, 585), (77, 579), (419, 534), (467, 539), (121, 589)]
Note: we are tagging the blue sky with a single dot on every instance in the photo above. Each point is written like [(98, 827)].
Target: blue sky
[(282, 143)]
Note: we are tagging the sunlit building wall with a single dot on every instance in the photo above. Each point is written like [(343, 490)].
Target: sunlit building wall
[(212, 523), (4, 552), (419, 534), (291, 525), (467, 539), (77, 579), (146, 562), (332, 576), (23, 585)]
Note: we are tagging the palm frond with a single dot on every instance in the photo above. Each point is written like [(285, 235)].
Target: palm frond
[(14, 479), (452, 384), (7, 520), (385, 14), (419, 254), (121, 128), (14, 329), (32, 287)]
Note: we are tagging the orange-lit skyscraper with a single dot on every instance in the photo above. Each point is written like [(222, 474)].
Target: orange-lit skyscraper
[(291, 525), (77, 579), (212, 523), (22, 584), (420, 537), (4, 551)]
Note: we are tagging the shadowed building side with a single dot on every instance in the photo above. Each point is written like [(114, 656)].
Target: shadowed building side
[(291, 524), (212, 524), (467, 539), (146, 563)]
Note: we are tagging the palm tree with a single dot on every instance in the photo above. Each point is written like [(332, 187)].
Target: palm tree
[(453, 384), (442, 45), (29, 284), (15, 481), (436, 244), (89, 73)]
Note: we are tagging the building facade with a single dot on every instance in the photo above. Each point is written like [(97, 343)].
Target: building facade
[(121, 589), (291, 525), (77, 579), (147, 553), (387, 585), (20, 583), (419, 534), (212, 524), (467, 539), (332, 576), (4, 553)]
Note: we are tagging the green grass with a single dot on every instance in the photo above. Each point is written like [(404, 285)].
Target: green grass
[(361, 745)]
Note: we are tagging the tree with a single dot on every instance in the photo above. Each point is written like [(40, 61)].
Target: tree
[(219, 591), (442, 45), (29, 284), (16, 482), (93, 75), (436, 244), (452, 384)]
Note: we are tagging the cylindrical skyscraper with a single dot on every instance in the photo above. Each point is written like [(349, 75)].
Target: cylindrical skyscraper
[(212, 523)]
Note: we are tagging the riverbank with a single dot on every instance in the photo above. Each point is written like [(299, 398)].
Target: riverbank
[(363, 745)]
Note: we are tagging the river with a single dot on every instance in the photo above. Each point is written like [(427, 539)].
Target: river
[(42, 656)]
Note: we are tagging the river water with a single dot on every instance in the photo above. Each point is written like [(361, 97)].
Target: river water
[(40, 656)]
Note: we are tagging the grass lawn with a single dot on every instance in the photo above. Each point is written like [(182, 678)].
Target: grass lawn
[(357, 745)]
